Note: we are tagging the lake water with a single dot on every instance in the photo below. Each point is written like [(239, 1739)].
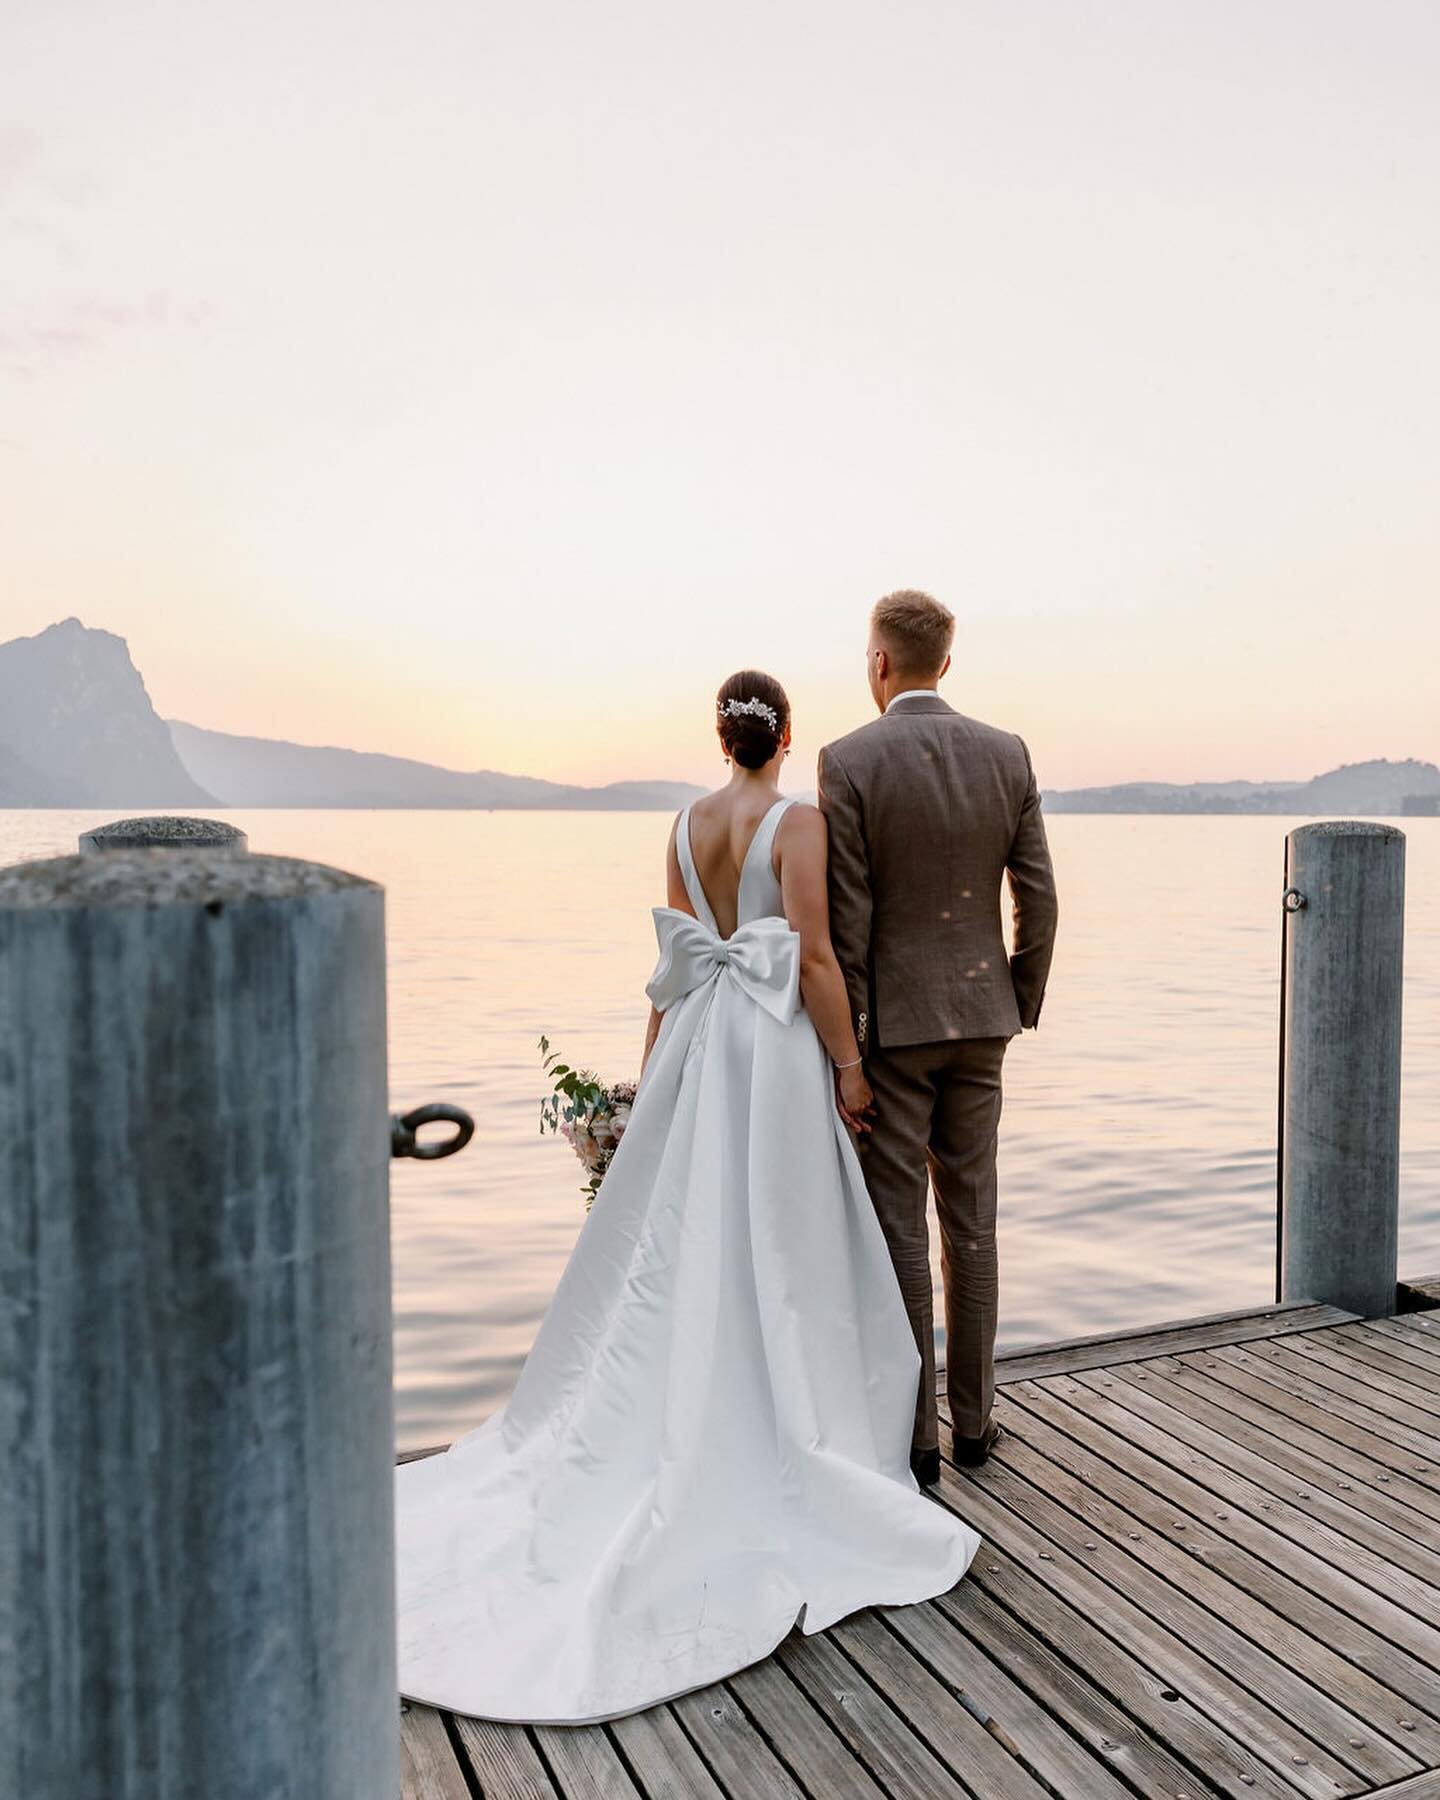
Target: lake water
[(1137, 1161)]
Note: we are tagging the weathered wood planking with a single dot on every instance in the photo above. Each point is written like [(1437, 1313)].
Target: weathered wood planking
[(1070, 1354), (1211, 1567), (1421, 1292), (428, 1766)]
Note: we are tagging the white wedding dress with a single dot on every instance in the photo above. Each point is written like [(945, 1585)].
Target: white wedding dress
[(709, 1442)]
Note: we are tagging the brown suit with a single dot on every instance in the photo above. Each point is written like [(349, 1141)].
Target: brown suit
[(928, 812)]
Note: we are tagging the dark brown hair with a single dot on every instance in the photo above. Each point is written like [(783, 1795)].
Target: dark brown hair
[(916, 629), (751, 738)]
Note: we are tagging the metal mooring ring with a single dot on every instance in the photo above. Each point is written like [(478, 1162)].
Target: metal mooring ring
[(404, 1126), (1295, 901)]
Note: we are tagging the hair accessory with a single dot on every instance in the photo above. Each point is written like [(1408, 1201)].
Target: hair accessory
[(732, 709)]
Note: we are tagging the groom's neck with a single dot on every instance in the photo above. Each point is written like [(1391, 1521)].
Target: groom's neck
[(893, 693)]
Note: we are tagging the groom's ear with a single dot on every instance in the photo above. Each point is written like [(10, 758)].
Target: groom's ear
[(944, 669)]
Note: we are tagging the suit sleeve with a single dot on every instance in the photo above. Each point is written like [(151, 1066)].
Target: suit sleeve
[(1032, 893), (850, 898)]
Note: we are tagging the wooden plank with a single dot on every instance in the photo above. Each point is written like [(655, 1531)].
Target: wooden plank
[(1418, 1787), (1287, 1619), (428, 1766), (1417, 1331), (1418, 1291), (1102, 1350), (741, 1761), (584, 1763), (895, 1756), (1087, 1678), (1353, 1453), (1174, 1469), (1312, 1459), (957, 1738), (1408, 1357), (1403, 1399), (1002, 1706), (1345, 1534), (666, 1764), (1397, 1358), (822, 1763), (1419, 1350), (405, 1456), (1268, 1735), (1333, 1388), (1028, 1696), (505, 1761), (1337, 1741)]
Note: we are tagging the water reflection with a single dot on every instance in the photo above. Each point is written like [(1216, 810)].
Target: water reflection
[(1137, 1156)]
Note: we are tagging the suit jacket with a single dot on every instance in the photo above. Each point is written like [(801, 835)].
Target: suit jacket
[(928, 812)]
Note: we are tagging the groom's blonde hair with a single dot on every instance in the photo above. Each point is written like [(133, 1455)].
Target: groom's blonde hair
[(916, 630)]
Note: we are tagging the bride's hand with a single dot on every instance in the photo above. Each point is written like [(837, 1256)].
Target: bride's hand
[(854, 1098)]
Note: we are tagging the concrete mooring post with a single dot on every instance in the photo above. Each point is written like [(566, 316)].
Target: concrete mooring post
[(196, 1443), (165, 831), (1340, 1066)]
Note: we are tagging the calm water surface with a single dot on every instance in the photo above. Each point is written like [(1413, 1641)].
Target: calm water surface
[(1137, 1162)]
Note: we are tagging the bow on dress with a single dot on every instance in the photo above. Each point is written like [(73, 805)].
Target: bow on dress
[(762, 958)]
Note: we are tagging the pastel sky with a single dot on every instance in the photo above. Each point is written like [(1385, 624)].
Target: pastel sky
[(484, 381)]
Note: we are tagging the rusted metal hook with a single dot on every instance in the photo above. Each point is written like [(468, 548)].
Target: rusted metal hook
[(405, 1126)]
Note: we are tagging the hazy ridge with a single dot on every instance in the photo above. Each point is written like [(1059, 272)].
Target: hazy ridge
[(77, 729), (1379, 788), (270, 772)]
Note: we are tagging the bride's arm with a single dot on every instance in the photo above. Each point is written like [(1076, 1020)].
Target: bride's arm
[(652, 1031), (675, 896), (802, 853)]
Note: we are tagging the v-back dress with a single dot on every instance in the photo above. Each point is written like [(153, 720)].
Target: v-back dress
[(709, 1442)]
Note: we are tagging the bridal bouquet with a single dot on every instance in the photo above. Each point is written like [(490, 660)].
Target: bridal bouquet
[(590, 1116)]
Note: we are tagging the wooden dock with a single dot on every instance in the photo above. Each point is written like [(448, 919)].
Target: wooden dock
[(1211, 1566)]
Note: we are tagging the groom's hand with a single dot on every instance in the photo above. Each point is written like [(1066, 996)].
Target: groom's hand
[(854, 1098)]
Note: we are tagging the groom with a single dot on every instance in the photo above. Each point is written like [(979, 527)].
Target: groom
[(928, 812)]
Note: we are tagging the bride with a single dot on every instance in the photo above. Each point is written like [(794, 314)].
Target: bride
[(709, 1442)]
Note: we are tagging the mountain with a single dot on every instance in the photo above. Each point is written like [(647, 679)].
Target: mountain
[(20, 785), (248, 771), (1376, 789), (77, 727), (77, 730)]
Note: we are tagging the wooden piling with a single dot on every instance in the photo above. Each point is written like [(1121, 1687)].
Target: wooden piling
[(1340, 1081), (196, 1539)]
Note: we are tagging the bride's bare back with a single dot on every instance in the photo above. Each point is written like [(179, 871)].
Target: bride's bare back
[(722, 828)]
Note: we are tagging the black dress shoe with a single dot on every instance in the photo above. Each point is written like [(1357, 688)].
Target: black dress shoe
[(971, 1452), (925, 1466)]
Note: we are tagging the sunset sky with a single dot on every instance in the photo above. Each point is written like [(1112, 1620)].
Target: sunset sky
[(483, 382)]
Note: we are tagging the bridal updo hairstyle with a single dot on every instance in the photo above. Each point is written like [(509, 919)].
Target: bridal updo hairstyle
[(750, 738)]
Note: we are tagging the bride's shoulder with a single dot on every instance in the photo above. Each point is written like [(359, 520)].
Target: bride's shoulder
[(801, 823)]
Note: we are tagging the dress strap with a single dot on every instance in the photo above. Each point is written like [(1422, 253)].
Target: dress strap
[(688, 873), (762, 846)]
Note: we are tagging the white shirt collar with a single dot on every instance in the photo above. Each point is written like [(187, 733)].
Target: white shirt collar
[(912, 694)]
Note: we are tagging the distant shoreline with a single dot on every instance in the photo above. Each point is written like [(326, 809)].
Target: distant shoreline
[(77, 727)]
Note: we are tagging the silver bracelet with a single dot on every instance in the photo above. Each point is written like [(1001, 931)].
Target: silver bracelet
[(841, 1067)]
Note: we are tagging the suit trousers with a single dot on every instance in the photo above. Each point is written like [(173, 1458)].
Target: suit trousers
[(937, 1118)]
